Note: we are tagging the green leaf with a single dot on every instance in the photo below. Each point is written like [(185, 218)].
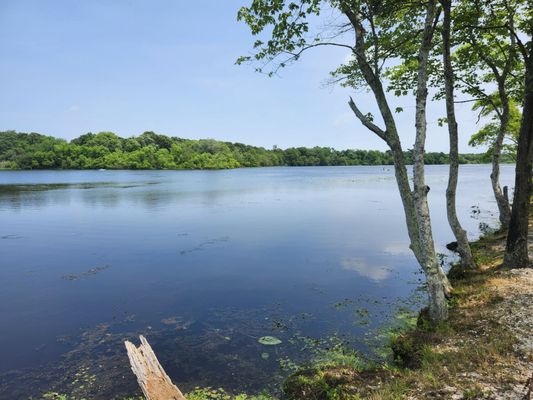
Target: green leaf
[(269, 341)]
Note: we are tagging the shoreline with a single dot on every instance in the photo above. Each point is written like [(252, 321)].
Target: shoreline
[(485, 351), (227, 169)]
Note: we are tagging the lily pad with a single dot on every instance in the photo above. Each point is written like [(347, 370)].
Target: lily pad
[(269, 340), (265, 356)]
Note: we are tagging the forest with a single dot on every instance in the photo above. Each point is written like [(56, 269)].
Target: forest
[(106, 150)]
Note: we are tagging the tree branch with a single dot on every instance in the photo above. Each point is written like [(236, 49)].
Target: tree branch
[(367, 122)]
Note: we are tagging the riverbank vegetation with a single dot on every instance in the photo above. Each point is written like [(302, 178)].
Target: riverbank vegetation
[(483, 350), (155, 151)]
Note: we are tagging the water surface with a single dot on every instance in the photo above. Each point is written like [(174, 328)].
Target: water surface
[(204, 263)]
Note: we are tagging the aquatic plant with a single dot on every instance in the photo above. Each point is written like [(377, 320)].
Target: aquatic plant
[(269, 340)]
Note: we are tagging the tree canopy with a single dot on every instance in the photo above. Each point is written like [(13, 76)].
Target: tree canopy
[(154, 151)]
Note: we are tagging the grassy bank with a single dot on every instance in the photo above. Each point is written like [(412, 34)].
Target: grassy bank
[(484, 351)]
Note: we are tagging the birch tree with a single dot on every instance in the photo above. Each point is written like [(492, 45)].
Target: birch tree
[(487, 57), (463, 246), (403, 79), (430, 264), (374, 32)]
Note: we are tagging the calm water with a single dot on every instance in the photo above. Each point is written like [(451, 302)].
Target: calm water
[(204, 263)]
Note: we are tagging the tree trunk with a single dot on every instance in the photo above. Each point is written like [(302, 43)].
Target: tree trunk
[(502, 201), (437, 302), (501, 75), (516, 251), (152, 378), (438, 284), (463, 246), (402, 179)]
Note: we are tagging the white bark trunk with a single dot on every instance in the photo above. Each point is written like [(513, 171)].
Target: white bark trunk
[(438, 284), (390, 134), (463, 246), (437, 301)]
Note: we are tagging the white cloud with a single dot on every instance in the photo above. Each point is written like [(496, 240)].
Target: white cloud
[(376, 273), (397, 249)]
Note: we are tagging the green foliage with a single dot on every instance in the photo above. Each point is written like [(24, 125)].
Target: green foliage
[(153, 151), (326, 352), (329, 383), (289, 28), (473, 393), (485, 56), (486, 136), (57, 396), (54, 396), (81, 388), (219, 394), (284, 30)]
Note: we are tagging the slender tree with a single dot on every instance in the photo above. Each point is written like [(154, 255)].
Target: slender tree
[(487, 135), (376, 28), (516, 250), (435, 284), (488, 54), (463, 246), (403, 78)]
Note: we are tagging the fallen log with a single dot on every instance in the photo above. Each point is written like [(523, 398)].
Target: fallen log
[(152, 378)]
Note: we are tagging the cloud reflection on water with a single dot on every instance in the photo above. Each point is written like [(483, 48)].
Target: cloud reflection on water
[(359, 265)]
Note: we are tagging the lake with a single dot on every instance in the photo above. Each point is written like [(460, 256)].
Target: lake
[(204, 263)]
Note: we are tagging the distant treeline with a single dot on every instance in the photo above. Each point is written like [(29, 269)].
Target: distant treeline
[(153, 151)]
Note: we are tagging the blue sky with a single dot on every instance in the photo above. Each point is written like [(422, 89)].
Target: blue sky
[(75, 66)]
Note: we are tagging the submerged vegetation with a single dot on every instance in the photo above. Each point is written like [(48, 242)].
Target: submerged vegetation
[(155, 151), (480, 352)]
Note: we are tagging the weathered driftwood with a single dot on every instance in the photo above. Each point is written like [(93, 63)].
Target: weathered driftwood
[(154, 382)]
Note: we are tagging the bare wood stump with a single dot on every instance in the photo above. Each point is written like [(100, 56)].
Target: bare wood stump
[(152, 378)]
